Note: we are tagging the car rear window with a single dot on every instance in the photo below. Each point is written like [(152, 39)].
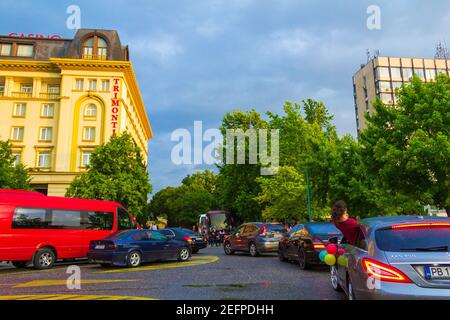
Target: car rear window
[(413, 239), (276, 228), (328, 229)]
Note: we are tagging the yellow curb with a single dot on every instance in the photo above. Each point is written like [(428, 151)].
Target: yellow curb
[(50, 283), (70, 297)]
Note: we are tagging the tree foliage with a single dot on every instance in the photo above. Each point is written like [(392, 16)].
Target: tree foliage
[(118, 173), (11, 176)]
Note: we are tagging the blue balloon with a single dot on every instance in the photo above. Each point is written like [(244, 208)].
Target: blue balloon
[(322, 255)]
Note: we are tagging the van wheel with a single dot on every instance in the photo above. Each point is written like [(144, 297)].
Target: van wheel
[(20, 264), (44, 259), (134, 259)]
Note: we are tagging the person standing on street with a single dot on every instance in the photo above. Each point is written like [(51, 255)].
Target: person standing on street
[(342, 220)]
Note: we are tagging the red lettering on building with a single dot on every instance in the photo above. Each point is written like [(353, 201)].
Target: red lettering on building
[(115, 106), (34, 36)]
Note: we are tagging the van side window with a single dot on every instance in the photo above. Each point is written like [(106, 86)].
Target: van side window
[(30, 219), (95, 220), (124, 220), (66, 219)]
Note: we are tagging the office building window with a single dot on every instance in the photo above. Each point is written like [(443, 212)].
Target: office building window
[(89, 134), (396, 73), (43, 159), (86, 158), (420, 73), (386, 98), (105, 85), (17, 157), (48, 110), (25, 50), (384, 85), (397, 84), (20, 110), (407, 74), (439, 71), (45, 134), (5, 49), (79, 84), (17, 133), (383, 73), (93, 85)]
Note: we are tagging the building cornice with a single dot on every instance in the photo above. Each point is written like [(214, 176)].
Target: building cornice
[(27, 65)]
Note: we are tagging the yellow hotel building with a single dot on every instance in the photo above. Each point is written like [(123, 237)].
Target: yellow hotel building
[(61, 98)]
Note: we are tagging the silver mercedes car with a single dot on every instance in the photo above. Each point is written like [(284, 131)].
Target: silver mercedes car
[(403, 257)]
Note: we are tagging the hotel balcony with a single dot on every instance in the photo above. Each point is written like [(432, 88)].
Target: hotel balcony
[(94, 57), (49, 96), (22, 95)]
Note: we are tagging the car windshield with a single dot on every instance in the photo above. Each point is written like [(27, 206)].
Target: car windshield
[(327, 229), (413, 239), (218, 220)]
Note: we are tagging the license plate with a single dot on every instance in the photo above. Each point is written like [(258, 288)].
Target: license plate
[(437, 272), (100, 247)]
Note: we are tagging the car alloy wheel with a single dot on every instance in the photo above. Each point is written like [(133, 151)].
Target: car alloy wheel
[(334, 279), (253, 250), (351, 294), (44, 259), (227, 248), (302, 259), (185, 254), (135, 259)]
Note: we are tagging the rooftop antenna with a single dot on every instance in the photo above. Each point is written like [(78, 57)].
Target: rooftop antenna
[(369, 57), (377, 53)]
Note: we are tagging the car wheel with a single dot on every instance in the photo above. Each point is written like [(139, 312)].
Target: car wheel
[(20, 264), (350, 291), (302, 261), (184, 254), (334, 277), (44, 259), (227, 249), (134, 259), (194, 251), (253, 250), (281, 255)]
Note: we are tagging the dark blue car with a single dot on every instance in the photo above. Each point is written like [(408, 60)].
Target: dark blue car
[(131, 248)]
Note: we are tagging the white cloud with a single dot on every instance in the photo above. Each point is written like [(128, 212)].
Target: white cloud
[(209, 29), (293, 42), (163, 47)]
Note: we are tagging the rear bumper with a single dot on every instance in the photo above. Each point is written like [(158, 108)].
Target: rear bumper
[(402, 291), (108, 257), (269, 246)]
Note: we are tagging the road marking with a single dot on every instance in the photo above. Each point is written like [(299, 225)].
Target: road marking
[(70, 297), (50, 283), (196, 261)]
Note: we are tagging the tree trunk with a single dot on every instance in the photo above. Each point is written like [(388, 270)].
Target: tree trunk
[(447, 208)]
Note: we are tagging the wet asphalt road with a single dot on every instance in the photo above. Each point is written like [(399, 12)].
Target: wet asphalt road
[(210, 275)]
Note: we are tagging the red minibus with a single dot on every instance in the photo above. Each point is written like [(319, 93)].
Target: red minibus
[(40, 229)]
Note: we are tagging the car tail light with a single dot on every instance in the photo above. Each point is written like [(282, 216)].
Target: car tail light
[(188, 239), (384, 272), (263, 230), (318, 244), (111, 246), (421, 225)]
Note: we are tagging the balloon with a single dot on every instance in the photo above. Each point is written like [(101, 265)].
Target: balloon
[(332, 249), (322, 255), (330, 259), (341, 251), (342, 261)]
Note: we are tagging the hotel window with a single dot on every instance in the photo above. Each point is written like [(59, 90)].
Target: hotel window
[(18, 158), (383, 72), (43, 159), (20, 110), (25, 50), (95, 48), (430, 74), (93, 85), (420, 73), (48, 110), (90, 111), (396, 73), (17, 134), (106, 85), (79, 84), (45, 134), (407, 74), (2, 89), (53, 90), (86, 158), (26, 88), (5, 49), (89, 134)]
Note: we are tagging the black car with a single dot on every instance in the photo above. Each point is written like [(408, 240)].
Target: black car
[(194, 239), (133, 247), (305, 242)]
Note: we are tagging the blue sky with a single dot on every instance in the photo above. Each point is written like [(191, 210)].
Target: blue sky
[(198, 59)]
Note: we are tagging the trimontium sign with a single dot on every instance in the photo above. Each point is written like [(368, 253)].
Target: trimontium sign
[(115, 106)]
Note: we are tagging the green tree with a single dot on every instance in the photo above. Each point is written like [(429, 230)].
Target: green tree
[(283, 195), (116, 173), (11, 176), (408, 147)]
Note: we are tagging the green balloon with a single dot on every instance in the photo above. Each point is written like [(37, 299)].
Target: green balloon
[(330, 259), (342, 261)]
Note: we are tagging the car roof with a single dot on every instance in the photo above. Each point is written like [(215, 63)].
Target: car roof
[(387, 221)]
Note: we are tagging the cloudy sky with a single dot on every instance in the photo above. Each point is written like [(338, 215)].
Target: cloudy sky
[(197, 59)]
